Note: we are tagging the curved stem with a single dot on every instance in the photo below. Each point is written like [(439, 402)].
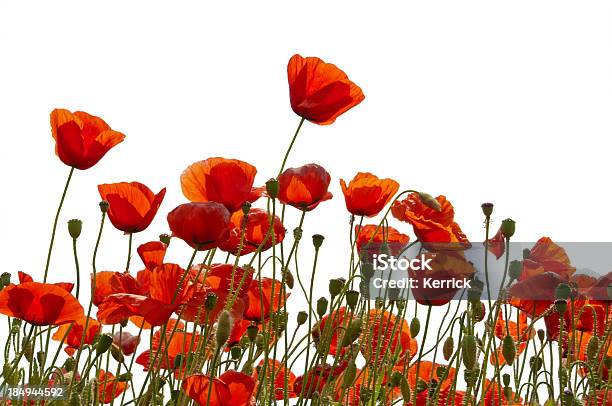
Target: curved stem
[(290, 146)]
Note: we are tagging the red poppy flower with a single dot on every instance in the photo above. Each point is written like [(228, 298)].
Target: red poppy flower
[(81, 140), (316, 378), (152, 253), (73, 339), (221, 180), (126, 342), (41, 304), (132, 206), (369, 237), (279, 371), (179, 343), (304, 187), (536, 294), (497, 244), (429, 225), (546, 256), (521, 332), (219, 278), (109, 283), (24, 277), (319, 91), (201, 225), (109, 387), (231, 388), (258, 310), (367, 195), (393, 331), (339, 320), (255, 226)]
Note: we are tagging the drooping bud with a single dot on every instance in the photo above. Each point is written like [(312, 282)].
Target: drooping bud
[(468, 347), (74, 228), (69, 364), (508, 227), (335, 286), (322, 306), (165, 238), (448, 348), (487, 209), (352, 298), (429, 201), (104, 206), (352, 333), (317, 240), (415, 327), (509, 349), (272, 188), (302, 317), (224, 327), (515, 269), (104, 343), (5, 279)]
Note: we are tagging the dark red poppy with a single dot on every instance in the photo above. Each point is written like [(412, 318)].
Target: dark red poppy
[(304, 187), (316, 378), (41, 304), (255, 227), (81, 140), (201, 225), (231, 388), (132, 206), (152, 253), (430, 225), (109, 387), (368, 234), (126, 341), (535, 294), (367, 195), (319, 91), (260, 300), (393, 331), (75, 334), (221, 180)]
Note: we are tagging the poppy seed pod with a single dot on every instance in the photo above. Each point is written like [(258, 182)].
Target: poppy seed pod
[(104, 206), (563, 291), (448, 347), (508, 227), (487, 209), (5, 280), (165, 238), (302, 317), (509, 349), (104, 343), (478, 311), (235, 352), (541, 335), (224, 327), (74, 228), (246, 208), (515, 269), (335, 286), (252, 332), (415, 327), (210, 302), (322, 306), (506, 379), (352, 297), (272, 188), (429, 201), (468, 347), (317, 240)]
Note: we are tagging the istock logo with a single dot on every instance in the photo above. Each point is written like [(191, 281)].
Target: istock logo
[(385, 262)]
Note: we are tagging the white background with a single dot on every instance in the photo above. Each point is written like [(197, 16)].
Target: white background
[(481, 101)]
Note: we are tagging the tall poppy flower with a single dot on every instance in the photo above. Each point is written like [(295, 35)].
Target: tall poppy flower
[(334, 324), (231, 388), (221, 180), (109, 387), (315, 379), (521, 331), (109, 283), (372, 234), (201, 225), (81, 139), (40, 304), (260, 300), (76, 332), (132, 206), (255, 226), (547, 256), (367, 195), (320, 91), (176, 342), (304, 187), (430, 226), (152, 253)]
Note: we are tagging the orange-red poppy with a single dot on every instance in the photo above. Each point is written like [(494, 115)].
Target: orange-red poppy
[(41, 304), (519, 332), (497, 244), (81, 139), (231, 388), (255, 227), (320, 91), (546, 256), (201, 225), (152, 253), (339, 320), (430, 226), (75, 334), (109, 387), (316, 378), (109, 283), (24, 277), (427, 371), (221, 180), (176, 342), (387, 334), (367, 195), (132, 206), (260, 299), (279, 370), (372, 236), (304, 187), (220, 276), (126, 341)]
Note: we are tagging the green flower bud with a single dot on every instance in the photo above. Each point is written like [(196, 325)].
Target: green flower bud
[(335, 286), (509, 349), (440, 371), (561, 306), (69, 364), (535, 363), (104, 343), (252, 332), (563, 291), (352, 298), (74, 228), (421, 385), (487, 209), (235, 352), (5, 279), (272, 188), (352, 333), (210, 302), (478, 311), (104, 206), (448, 348), (415, 327), (259, 341), (116, 353), (468, 347), (321, 306), (165, 238), (302, 317), (317, 240), (349, 375), (288, 278), (506, 379), (297, 234), (476, 289), (508, 227), (429, 201), (224, 328), (515, 269), (367, 270), (246, 208)]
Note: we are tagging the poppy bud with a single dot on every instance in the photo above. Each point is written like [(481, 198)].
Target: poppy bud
[(259, 341), (352, 297), (535, 363), (335, 286), (5, 279), (74, 228), (104, 343), (415, 327), (126, 377), (541, 335), (367, 270), (448, 348), (69, 364), (288, 278), (509, 349), (302, 317), (104, 206), (405, 389), (563, 291), (317, 240), (526, 253), (353, 331), (508, 226), (349, 375), (321, 306), (252, 332), (272, 188), (210, 302), (478, 311), (592, 348), (235, 352), (40, 357), (506, 379), (297, 234), (396, 379), (246, 208), (515, 269), (165, 238), (224, 327), (429, 201), (468, 347), (560, 306), (116, 353), (487, 209)]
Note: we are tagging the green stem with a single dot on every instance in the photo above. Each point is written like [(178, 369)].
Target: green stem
[(290, 146)]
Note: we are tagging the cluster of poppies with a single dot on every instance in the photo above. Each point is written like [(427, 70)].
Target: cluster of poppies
[(219, 329)]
